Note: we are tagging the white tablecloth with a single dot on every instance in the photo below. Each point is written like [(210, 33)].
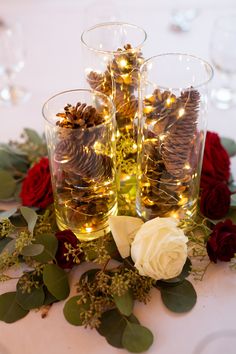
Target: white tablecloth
[(54, 63)]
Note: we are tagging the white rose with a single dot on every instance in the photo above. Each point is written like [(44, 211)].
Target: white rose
[(159, 249)]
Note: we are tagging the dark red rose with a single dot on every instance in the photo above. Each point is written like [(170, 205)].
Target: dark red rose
[(215, 201), (216, 163), (222, 242), (66, 236), (37, 188)]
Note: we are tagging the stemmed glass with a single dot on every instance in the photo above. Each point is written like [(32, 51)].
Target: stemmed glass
[(223, 56), (11, 62)]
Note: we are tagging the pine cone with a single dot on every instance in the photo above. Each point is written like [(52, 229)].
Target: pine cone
[(100, 82), (83, 161), (126, 108), (176, 147)]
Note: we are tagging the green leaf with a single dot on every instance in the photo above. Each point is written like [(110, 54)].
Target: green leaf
[(173, 282), (30, 216), (10, 246), (32, 250), (72, 310), (49, 298), (4, 242), (179, 298), (7, 185), (229, 145), (124, 303), (32, 300), (89, 275), (56, 281), (136, 338), (112, 327), (33, 136), (10, 310), (7, 214), (50, 244)]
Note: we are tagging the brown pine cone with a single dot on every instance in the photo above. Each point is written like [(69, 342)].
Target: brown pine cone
[(100, 82), (177, 145), (77, 159)]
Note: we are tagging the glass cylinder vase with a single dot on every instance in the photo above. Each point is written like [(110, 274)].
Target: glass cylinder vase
[(113, 58), (80, 132), (173, 107)]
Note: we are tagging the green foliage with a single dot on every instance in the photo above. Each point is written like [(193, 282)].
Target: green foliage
[(73, 309), (124, 303), (56, 281), (136, 338), (50, 244), (7, 185), (179, 298), (30, 216), (32, 250), (229, 145), (34, 298), (10, 310)]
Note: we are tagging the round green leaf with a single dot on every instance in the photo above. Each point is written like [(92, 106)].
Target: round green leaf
[(50, 244), (112, 327), (72, 310), (179, 298), (7, 185), (10, 310), (30, 216), (56, 281), (229, 145), (49, 298), (31, 300), (32, 250), (124, 303), (136, 338)]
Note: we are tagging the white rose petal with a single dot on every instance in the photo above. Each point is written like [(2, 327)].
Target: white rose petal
[(159, 249), (123, 229)]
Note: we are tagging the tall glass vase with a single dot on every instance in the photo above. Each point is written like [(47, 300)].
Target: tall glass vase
[(113, 56), (173, 109), (80, 132)]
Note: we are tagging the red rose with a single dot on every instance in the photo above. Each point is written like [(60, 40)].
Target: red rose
[(66, 236), (216, 163), (215, 201), (37, 188), (222, 242)]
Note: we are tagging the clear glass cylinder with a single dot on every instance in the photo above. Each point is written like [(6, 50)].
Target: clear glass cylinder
[(80, 131), (171, 137), (113, 56)]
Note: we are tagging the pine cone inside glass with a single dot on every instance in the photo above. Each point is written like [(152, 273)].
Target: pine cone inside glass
[(167, 171), (85, 179)]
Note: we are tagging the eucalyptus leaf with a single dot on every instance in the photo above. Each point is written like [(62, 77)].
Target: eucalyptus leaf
[(10, 246), (179, 298), (89, 275), (32, 300), (229, 145), (56, 281), (32, 250), (33, 136), (136, 338), (124, 303), (30, 216), (3, 242), (10, 310), (72, 310), (7, 185), (49, 298), (50, 245), (112, 327), (5, 160), (7, 214)]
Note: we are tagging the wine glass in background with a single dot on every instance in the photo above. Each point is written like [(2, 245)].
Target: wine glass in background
[(11, 62), (223, 56)]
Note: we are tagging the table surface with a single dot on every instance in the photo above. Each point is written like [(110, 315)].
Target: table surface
[(54, 63)]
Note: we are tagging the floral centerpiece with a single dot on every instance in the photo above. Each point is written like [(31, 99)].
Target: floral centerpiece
[(130, 261)]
